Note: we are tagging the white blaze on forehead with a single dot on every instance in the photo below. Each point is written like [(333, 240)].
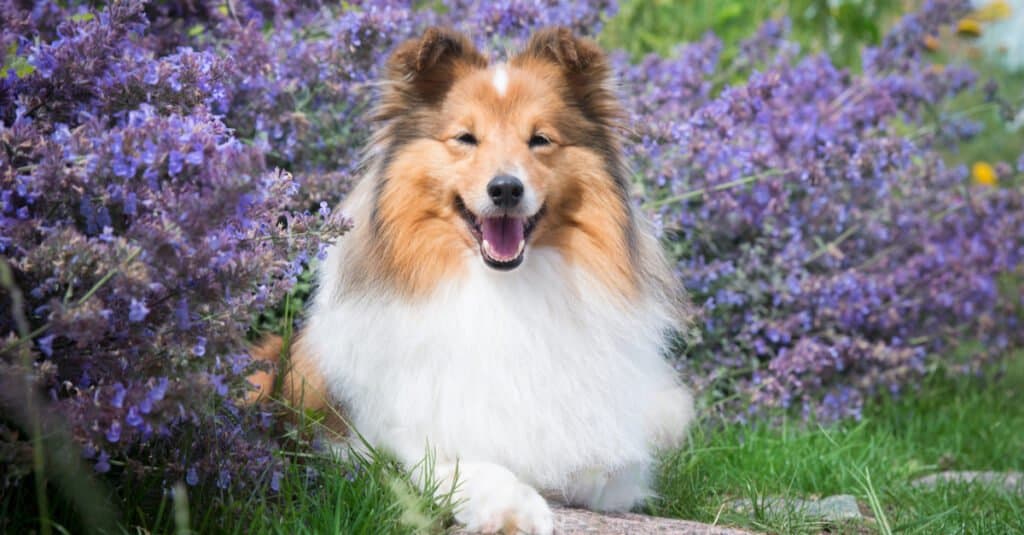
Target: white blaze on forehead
[(500, 79)]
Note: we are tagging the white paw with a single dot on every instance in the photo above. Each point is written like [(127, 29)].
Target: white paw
[(502, 504)]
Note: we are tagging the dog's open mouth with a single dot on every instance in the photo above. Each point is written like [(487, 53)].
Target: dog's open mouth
[(503, 238)]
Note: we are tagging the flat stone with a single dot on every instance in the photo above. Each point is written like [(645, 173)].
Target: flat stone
[(838, 508), (582, 522), (1011, 481)]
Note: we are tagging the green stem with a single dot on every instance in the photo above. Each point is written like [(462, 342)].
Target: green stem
[(27, 335), (38, 458), (109, 275), (720, 187), (828, 246)]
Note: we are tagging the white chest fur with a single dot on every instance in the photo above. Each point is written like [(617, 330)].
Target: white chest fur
[(538, 370)]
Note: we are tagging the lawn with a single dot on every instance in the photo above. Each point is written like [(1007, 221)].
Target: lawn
[(892, 280), (966, 424)]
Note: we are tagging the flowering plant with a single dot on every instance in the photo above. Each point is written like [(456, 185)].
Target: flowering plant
[(168, 170), (834, 253)]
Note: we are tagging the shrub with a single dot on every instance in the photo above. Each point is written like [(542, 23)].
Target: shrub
[(168, 172), (834, 253)]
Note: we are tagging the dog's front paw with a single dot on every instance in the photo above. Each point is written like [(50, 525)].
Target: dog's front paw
[(497, 502)]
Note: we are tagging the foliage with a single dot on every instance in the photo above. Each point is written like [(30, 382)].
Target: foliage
[(143, 234), (839, 29), (168, 172), (834, 254)]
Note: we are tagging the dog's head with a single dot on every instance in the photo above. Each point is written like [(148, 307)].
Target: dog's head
[(498, 158)]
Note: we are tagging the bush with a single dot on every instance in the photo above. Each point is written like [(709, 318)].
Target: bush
[(168, 172), (145, 234), (834, 252)]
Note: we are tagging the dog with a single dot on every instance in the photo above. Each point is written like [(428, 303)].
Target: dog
[(500, 307)]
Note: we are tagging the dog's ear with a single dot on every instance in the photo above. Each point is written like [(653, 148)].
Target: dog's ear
[(584, 65), (420, 71)]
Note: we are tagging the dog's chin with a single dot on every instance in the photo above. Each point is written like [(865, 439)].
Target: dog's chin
[(501, 239)]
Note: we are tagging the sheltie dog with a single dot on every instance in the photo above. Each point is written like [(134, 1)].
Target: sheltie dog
[(499, 306)]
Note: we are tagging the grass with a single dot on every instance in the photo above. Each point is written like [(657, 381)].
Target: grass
[(368, 495), (949, 424), (975, 424), (362, 494)]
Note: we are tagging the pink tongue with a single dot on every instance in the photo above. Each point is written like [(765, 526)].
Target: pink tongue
[(503, 234)]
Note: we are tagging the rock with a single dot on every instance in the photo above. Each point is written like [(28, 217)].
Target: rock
[(1011, 481), (582, 522), (839, 508)]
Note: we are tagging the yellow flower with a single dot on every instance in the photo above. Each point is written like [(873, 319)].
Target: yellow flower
[(968, 27), (983, 173), (993, 11), (931, 43)]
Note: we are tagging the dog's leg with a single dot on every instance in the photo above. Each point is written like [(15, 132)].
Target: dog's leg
[(491, 499), (302, 386), (625, 487)]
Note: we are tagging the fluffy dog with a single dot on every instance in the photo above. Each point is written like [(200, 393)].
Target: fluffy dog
[(499, 305)]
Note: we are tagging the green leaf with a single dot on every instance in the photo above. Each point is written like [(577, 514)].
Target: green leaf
[(23, 68), (728, 13), (83, 17), (19, 64), (196, 30)]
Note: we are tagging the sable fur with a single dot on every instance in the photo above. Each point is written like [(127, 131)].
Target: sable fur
[(545, 380)]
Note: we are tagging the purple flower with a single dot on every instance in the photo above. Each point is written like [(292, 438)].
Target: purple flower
[(217, 380), (195, 157), (114, 431), (117, 400), (175, 162), (45, 344), (223, 479), (133, 418), (102, 464), (137, 311)]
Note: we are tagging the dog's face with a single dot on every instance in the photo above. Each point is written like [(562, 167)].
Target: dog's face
[(496, 159), (500, 157)]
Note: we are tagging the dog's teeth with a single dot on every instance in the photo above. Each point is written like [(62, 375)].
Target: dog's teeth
[(489, 249)]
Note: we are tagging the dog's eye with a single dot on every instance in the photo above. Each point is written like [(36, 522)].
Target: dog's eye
[(466, 139), (538, 140)]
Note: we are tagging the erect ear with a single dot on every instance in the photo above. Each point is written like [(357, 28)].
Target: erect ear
[(420, 71), (584, 65)]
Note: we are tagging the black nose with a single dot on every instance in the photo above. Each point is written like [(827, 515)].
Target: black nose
[(505, 190)]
